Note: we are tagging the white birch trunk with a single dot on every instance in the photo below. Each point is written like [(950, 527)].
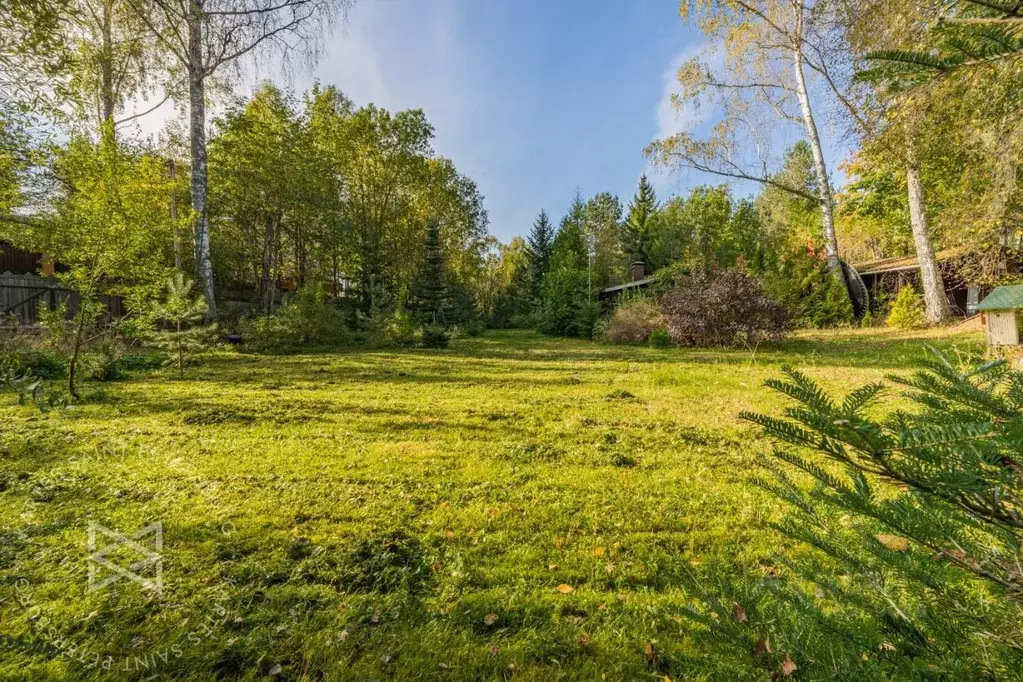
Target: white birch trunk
[(197, 135), (823, 184), (106, 95), (172, 174), (935, 300)]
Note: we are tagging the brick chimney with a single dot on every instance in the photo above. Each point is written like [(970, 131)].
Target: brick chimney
[(638, 270)]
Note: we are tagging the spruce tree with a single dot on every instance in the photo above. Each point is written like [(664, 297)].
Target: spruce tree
[(906, 527), (182, 310), (637, 235), (429, 290), (541, 246), (828, 303), (567, 307), (569, 249)]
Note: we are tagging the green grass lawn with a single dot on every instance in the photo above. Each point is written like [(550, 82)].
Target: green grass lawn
[(514, 507)]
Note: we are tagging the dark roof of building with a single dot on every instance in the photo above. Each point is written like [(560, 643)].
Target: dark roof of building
[(628, 285), (1003, 298), (897, 264)]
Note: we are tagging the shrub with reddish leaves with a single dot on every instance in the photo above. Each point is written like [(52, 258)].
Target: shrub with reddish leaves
[(722, 308)]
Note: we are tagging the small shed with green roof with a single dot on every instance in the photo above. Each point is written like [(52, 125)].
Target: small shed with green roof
[(1001, 310)]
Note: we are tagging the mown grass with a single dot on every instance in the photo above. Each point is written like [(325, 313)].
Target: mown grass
[(401, 514)]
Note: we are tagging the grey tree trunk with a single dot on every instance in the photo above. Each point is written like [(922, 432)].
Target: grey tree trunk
[(265, 282), (172, 174), (826, 199), (197, 135), (935, 300), (106, 95)]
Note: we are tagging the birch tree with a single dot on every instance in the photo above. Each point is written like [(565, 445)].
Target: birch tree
[(253, 161), (761, 82), (113, 60), (843, 33), (916, 57), (381, 160), (207, 37)]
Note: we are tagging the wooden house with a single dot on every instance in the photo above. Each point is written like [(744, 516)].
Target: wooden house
[(609, 296), (884, 278)]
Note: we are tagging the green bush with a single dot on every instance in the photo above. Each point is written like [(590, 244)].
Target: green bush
[(43, 364), (632, 322), (102, 362), (565, 308), (905, 535), (142, 361), (524, 321), (828, 304), (668, 277), (660, 338), (907, 311), (474, 328), (435, 336), (306, 320), (867, 321), (399, 329)]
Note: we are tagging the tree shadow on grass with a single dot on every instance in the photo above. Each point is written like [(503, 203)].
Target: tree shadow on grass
[(840, 350)]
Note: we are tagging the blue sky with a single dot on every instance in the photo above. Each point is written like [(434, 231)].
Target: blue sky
[(533, 99)]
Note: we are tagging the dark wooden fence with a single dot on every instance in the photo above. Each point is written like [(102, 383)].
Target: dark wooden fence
[(21, 296)]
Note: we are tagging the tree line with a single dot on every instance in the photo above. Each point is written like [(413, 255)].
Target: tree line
[(551, 280), (283, 190), (924, 94), (275, 193)]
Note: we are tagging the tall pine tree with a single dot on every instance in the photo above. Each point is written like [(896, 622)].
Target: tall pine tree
[(637, 237), (541, 246), (570, 249), (566, 306), (429, 285)]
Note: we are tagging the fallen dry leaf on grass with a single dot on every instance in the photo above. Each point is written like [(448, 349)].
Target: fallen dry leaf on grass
[(763, 646), (565, 589), (739, 613), (490, 619), (788, 667), (893, 542)]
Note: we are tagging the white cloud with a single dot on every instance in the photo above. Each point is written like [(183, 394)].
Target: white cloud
[(672, 119), (404, 55), (352, 63), (395, 55)]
